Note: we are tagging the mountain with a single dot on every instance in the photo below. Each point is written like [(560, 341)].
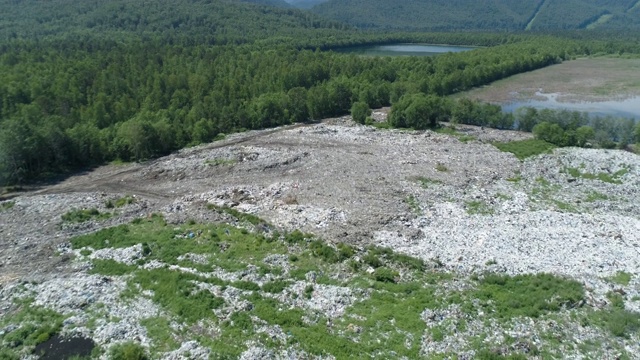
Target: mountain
[(448, 15), (275, 3), (305, 4), (193, 21)]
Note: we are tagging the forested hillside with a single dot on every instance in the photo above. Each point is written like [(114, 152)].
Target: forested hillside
[(183, 21), (482, 15)]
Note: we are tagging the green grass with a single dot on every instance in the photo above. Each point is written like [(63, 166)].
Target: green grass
[(565, 207), (594, 196), (159, 330), (614, 318), (426, 182), (611, 178), (120, 202), (252, 219), (527, 295), (6, 205), (462, 137), (621, 278), (413, 204), (35, 324), (128, 351), (477, 207), (83, 215), (525, 148)]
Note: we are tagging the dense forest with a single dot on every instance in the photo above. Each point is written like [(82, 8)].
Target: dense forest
[(444, 15), (88, 82)]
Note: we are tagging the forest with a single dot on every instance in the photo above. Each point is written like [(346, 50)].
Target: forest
[(473, 15), (104, 84)]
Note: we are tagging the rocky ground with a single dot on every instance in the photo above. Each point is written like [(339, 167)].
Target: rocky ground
[(462, 204)]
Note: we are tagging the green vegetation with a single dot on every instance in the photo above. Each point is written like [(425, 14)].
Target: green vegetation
[(128, 351), (413, 204), (451, 131), (427, 182), (252, 219), (120, 202), (527, 295), (596, 196), (88, 92), (220, 162), (82, 215), (34, 325), (360, 111), (495, 15), (611, 178), (525, 148), (6, 205), (477, 207), (621, 278)]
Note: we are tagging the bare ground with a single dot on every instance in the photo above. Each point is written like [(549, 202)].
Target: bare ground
[(588, 79)]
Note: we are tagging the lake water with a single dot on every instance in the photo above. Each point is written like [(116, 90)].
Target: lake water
[(403, 50), (627, 108)]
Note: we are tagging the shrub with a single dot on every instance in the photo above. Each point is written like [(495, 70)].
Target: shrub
[(82, 215), (360, 111), (384, 274), (128, 351)]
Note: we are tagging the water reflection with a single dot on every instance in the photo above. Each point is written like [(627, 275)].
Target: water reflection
[(403, 49), (627, 108)]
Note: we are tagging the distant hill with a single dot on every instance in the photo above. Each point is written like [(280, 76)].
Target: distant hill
[(276, 3), (483, 14), (305, 4), (195, 21)]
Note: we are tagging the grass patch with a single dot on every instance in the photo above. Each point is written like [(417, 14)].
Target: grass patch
[(111, 267), (426, 182), (128, 351), (6, 205), (614, 318), (82, 215), (276, 287), (611, 178), (525, 148), (159, 330), (477, 207), (33, 325), (565, 207), (413, 204), (250, 218), (382, 125), (453, 132), (594, 196), (527, 295), (620, 278), (177, 293), (120, 202)]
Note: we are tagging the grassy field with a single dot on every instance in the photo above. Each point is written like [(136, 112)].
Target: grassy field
[(588, 79)]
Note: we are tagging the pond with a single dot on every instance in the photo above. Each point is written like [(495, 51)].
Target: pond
[(403, 50), (625, 108)]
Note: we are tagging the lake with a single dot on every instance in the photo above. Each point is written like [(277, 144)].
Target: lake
[(626, 108), (403, 50)]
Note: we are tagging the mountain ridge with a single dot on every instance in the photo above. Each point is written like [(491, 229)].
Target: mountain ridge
[(492, 15)]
